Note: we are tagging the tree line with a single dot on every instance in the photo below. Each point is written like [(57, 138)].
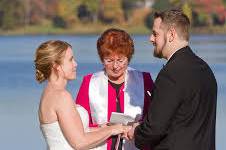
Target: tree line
[(67, 13)]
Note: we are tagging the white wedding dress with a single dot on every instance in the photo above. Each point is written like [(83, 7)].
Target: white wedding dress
[(53, 135)]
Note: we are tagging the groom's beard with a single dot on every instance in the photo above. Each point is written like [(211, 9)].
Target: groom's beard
[(157, 54), (158, 51)]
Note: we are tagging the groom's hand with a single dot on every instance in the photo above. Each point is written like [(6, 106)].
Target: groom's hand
[(130, 134)]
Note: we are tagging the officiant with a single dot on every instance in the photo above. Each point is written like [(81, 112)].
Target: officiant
[(116, 88)]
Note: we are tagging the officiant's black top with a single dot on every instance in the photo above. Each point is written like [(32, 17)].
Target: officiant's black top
[(118, 109)]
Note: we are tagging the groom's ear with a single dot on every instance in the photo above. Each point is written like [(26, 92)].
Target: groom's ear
[(172, 34)]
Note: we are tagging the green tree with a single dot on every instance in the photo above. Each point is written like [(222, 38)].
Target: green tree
[(111, 11), (66, 11), (160, 5), (93, 8), (149, 20), (200, 19), (93, 5), (128, 6), (66, 8), (187, 9), (12, 14), (224, 1), (36, 11), (177, 3)]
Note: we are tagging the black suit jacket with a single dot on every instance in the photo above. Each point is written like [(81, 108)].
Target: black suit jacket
[(182, 114)]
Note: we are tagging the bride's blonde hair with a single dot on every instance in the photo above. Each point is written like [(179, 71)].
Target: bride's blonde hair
[(46, 55)]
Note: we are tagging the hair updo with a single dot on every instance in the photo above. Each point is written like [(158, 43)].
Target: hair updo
[(46, 55)]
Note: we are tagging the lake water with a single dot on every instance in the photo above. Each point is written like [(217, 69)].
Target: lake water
[(20, 93)]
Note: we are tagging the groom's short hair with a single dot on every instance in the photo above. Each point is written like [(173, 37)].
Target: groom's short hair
[(177, 19)]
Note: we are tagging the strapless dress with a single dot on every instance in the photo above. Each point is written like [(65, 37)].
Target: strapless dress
[(53, 135)]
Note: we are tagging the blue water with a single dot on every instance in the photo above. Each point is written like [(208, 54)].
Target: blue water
[(20, 93)]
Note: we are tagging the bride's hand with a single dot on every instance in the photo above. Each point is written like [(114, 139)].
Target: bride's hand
[(103, 125), (119, 128)]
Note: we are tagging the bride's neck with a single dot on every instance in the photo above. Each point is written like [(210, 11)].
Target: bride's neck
[(57, 82)]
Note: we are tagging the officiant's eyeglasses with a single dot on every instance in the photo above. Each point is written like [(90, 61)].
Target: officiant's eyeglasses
[(120, 61)]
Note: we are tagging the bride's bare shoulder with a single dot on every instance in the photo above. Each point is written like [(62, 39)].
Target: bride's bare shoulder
[(64, 94), (64, 98)]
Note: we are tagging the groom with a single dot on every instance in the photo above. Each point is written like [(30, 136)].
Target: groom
[(182, 114)]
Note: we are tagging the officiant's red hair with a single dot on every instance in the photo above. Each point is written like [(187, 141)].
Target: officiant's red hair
[(115, 41)]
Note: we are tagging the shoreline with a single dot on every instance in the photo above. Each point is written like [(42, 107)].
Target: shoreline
[(96, 29)]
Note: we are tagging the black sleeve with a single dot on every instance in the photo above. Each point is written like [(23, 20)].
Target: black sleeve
[(165, 100)]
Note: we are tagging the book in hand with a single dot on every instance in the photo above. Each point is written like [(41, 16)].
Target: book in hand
[(120, 118)]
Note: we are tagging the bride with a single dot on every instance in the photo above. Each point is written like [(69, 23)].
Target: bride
[(62, 123)]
